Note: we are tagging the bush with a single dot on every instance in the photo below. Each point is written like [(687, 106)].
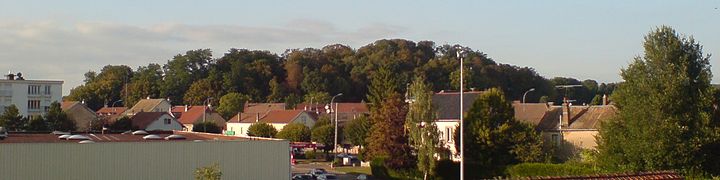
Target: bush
[(447, 169), (208, 127), (310, 155), (545, 169), (262, 130), (380, 171)]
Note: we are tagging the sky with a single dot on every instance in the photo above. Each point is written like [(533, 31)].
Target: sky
[(61, 40)]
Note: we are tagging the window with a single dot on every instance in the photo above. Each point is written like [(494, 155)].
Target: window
[(167, 121), (448, 135), (34, 104), (556, 139), (34, 89), (47, 89)]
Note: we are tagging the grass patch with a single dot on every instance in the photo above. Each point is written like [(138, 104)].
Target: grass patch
[(354, 170)]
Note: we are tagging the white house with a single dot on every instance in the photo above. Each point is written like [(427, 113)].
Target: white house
[(447, 106), (149, 105), (151, 121), (32, 97)]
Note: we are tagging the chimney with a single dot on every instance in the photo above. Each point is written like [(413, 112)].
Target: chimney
[(605, 100), (186, 108), (566, 112), (10, 76)]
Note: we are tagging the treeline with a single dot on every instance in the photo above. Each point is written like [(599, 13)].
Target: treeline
[(298, 75)]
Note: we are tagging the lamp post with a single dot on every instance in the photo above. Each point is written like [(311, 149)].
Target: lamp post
[(462, 151), (336, 123), (206, 104), (113, 104), (531, 89)]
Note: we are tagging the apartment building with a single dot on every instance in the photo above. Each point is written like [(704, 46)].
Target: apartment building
[(32, 97)]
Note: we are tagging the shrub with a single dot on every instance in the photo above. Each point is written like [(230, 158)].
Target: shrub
[(310, 155), (262, 130), (208, 127), (545, 169), (380, 171), (447, 169)]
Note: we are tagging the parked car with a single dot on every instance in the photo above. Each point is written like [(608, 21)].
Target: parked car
[(302, 177), (327, 177), (361, 177), (317, 172), (3, 133)]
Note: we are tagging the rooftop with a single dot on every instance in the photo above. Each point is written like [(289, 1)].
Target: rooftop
[(108, 138)]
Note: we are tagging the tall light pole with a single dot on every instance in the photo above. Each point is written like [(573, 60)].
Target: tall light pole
[(206, 104), (113, 104), (462, 129), (336, 123), (531, 89)]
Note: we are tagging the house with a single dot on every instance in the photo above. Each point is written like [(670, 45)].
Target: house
[(80, 114), (189, 115), (568, 127), (346, 111), (239, 124), (109, 115), (31, 97), (447, 106), (152, 121), (149, 105)]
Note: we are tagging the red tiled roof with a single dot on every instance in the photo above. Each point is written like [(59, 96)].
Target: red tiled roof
[(111, 110), (262, 107), (109, 138), (275, 116), (143, 119), (342, 107), (65, 105), (547, 117), (195, 113)]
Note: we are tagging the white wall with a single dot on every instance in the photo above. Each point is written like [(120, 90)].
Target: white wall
[(239, 128), (447, 133), (16, 92), (159, 124)]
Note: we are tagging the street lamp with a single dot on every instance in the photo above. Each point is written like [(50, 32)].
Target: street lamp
[(336, 121), (113, 105), (206, 104), (531, 89), (462, 148)]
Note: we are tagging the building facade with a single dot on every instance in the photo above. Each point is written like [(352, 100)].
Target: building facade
[(32, 97)]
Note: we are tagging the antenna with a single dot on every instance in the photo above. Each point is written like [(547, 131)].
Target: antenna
[(567, 88)]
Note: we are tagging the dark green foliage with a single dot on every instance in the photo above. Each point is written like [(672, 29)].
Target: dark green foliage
[(423, 133), (146, 82), (262, 130), (447, 169), (381, 171), (209, 127), (324, 134), (122, 124), (295, 132), (37, 123), (357, 130), (212, 172), (494, 139), (103, 88), (232, 104), (57, 119), (665, 110), (545, 169), (11, 119)]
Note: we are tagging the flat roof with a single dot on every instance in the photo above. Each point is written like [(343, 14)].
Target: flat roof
[(31, 81), (109, 138)]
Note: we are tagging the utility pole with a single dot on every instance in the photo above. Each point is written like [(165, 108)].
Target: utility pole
[(462, 148)]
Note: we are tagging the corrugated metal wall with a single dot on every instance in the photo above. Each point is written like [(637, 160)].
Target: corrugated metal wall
[(144, 160)]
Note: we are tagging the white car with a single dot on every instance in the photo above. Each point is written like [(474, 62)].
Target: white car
[(327, 177)]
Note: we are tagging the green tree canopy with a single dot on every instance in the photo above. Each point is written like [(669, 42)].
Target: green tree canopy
[(208, 127), (58, 120), (388, 136), (11, 118), (232, 104), (262, 130), (324, 134), (37, 123), (295, 132), (664, 119), (357, 130), (421, 127), (494, 139), (122, 124)]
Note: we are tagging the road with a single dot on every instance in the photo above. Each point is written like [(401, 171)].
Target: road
[(305, 168)]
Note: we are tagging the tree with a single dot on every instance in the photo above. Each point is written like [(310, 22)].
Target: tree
[(420, 124), (324, 134), (664, 110), (182, 71), (231, 104), (57, 119), (37, 123), (208, 173), (262, 130), (11, 118), (208, 127), (103, 88), (277, 91), (200, 91), (494, 139), (146, 82), (357, 131), (295, 132), (382, 86), (122, 124), (388, 136), (318, 97)]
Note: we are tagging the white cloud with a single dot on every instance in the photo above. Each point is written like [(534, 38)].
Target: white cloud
[(65, 51)]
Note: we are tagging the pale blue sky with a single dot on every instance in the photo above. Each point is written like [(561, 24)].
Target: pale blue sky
[(580, 39)]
